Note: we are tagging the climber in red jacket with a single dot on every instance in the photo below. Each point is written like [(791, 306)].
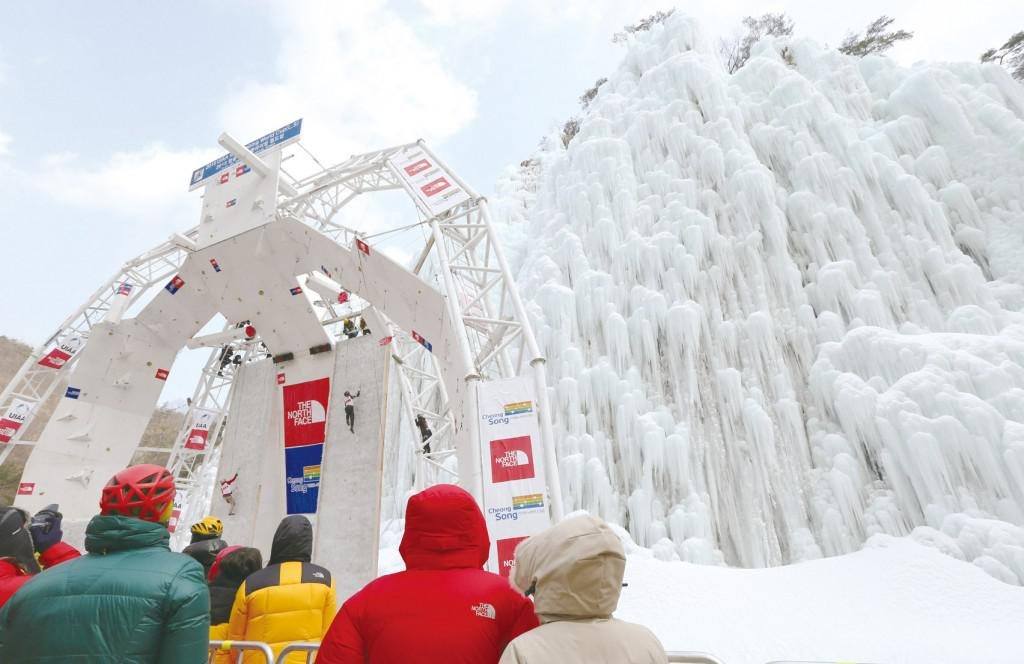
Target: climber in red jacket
[(22, 538), (444, 607)]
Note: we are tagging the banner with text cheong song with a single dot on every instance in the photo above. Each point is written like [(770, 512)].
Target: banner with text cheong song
[(58, 354), (305, 430), (431, 183), (202, 423), (512, 468), (15, 418)]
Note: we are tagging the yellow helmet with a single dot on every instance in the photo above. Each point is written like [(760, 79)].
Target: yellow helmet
[(209, 526)]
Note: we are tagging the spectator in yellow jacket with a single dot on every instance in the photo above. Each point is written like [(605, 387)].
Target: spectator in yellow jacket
[(290, 600)]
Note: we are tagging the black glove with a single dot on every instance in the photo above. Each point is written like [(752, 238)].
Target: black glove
[(45, 528)]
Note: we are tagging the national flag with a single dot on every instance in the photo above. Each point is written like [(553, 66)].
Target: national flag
[(418, 338), (295, 291), (124, 289), (280, 379), (385, 341), (224, 178), (342, 297), (215, 264), (241, 170), (231, 203), (72, 392), (363, 247), (161, 374), (174, 285), (26, 488)]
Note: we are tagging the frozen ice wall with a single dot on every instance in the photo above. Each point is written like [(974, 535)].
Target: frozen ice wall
[(781, 308)]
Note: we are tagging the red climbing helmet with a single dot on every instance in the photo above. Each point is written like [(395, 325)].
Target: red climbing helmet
[(145, 491)]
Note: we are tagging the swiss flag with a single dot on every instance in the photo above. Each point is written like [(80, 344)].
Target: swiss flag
[(342, 297), (385, 341), (26, 488), (224, 178), (162, 374), (280, 379), (363, 247)]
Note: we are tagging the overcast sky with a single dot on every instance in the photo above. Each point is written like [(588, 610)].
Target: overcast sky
[(105, 108)]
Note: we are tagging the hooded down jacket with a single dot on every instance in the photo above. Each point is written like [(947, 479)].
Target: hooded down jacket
[(444, 607), (129, 600), (576, 570), (289, 600)]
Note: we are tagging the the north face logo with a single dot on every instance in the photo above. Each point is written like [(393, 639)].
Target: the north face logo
[(484, 610), (308, 412), (318, 575), (512, 459)]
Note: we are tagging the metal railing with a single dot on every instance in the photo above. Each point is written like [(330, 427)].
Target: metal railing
[(675, 657), (308, 648), (687, 657), (241, 647)]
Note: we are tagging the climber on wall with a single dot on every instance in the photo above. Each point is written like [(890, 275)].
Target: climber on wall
[(350, 410), (227, 490), (425, 433)]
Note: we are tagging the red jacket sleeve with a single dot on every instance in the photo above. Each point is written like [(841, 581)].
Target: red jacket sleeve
[(58, 553), (525, 620), (343, 644)]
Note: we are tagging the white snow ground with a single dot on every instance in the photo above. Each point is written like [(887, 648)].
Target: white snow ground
[(893, 602), (782, 308)]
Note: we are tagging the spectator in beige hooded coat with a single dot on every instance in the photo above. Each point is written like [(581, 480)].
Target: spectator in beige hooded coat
[(575, 571)]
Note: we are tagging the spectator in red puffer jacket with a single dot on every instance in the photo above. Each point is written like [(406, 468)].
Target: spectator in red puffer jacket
[(20, 541), (444, 607)]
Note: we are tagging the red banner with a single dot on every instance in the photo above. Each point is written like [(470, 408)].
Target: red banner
[(511, 459), (305, 412), (26, 488), (507, 554)]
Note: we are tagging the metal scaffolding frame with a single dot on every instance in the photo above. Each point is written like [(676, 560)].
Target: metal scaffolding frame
[(495, 337)]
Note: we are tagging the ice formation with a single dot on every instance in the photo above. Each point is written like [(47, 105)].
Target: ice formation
[(781, 308)]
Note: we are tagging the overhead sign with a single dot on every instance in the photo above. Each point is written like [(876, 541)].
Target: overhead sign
[(15, 418), (286, 135), (432, 185), (512, 468)]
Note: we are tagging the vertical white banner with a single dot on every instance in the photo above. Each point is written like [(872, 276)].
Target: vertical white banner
[(16, 417), (512, 467), (203, 422)]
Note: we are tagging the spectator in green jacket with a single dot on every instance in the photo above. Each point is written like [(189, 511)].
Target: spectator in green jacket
[(129, 599)]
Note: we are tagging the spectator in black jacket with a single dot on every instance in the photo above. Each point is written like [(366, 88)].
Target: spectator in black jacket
[(228, 572)]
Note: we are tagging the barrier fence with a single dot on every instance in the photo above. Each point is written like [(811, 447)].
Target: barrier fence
[(240, 647)]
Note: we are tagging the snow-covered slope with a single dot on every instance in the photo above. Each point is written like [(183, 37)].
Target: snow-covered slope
[(894, 602), (781, 308)]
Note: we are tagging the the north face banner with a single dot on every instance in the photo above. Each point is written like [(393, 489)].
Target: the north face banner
[(57, 355), (305, 430), (15, 418), (305, 412), (202, 423), (512, 467)]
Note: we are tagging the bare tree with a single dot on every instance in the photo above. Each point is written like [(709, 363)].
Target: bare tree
[(590, 93), (736, 51), (1010, 55), (876, 39), (642, 25), (569, 130)]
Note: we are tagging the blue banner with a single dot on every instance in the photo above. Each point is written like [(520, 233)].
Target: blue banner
[(302, 470), (283, 136)]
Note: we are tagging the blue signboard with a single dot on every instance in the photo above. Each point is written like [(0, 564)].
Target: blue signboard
[(275, 139), (302, 472)]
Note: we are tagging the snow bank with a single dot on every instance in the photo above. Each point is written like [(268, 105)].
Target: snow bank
[(894, 602), (782, 308)]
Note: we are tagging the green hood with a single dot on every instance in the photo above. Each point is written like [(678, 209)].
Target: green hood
[(106, 534)]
